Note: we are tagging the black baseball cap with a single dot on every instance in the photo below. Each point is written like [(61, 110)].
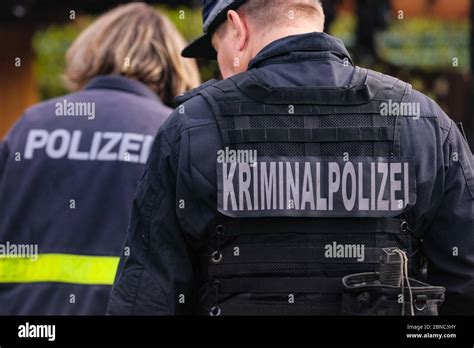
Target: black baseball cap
[(214, 13)]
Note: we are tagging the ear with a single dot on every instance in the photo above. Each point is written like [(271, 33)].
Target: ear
[(239, 28)]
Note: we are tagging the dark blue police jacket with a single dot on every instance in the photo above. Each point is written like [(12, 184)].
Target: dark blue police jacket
[(68, 174), (177, 198)]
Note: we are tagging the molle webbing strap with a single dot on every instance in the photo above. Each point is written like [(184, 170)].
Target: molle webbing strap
[(250, 108), (326, 226), (259, 254), (293, 309), (321, 135), (309, 285), (311, 123)]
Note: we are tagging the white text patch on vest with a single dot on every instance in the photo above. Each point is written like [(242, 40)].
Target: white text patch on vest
[(315, 187)]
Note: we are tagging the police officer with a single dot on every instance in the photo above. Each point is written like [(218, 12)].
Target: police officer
[(264, 190), (69, 167)]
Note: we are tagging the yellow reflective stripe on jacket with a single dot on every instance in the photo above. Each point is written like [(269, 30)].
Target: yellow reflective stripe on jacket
[(62, 268)]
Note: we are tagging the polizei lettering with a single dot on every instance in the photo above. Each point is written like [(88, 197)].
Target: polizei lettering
[(316, 187), (100, 146)]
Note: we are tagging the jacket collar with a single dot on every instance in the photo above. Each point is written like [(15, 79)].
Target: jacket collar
[(121, 83), (311, 42)]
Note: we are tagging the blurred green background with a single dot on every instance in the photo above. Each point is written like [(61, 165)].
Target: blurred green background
[(416, 43)]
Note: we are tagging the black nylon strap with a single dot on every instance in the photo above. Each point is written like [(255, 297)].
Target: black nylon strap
[(256, 254), (225, 86), (194, 92), (275, 309), (316, 226), (252, 108), (321, 135), (209, 95), (381, 149), (398, 121), (306, 285), (312, 148)]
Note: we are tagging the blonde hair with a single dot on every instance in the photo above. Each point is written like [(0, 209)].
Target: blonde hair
[(135, 41)]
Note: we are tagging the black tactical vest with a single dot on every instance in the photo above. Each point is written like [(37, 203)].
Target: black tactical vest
[(327, 192)]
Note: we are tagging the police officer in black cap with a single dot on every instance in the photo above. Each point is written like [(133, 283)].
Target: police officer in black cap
[(299, 184)]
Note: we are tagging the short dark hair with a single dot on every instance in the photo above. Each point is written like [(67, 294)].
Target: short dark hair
[(276, 11)]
